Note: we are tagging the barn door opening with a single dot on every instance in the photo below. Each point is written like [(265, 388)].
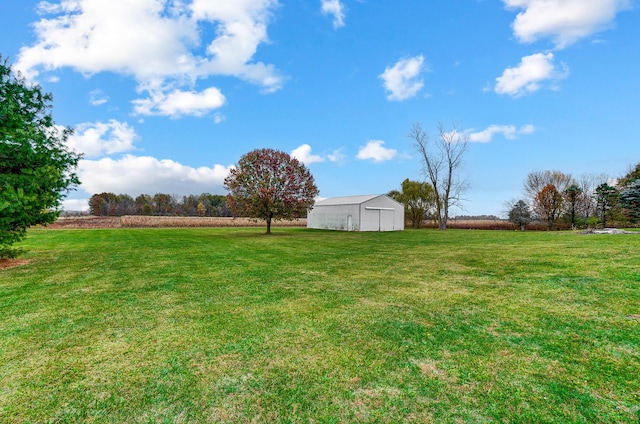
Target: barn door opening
[(386, 220)]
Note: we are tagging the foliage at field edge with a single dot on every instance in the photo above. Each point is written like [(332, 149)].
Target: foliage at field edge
[(160, 204), (36, 167)]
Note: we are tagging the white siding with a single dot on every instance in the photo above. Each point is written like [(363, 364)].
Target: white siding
[(357, 213), (335, 217)]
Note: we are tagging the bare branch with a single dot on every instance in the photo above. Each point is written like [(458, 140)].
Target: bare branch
[(441, 163)]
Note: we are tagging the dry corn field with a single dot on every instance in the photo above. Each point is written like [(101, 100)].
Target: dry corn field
[(138, 221), (194, 221), (487, 224), (168, 222)]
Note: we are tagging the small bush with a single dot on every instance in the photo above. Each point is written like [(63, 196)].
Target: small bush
[(10, 253)]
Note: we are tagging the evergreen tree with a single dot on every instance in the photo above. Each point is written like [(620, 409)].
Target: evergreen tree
[(630, 200), (36, 166), (607, 199), (572, 196), (520, 214)]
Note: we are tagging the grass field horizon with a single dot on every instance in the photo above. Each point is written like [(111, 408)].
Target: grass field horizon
[(231, 325)]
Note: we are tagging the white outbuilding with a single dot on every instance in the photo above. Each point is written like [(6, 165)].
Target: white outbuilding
[(357, 213)]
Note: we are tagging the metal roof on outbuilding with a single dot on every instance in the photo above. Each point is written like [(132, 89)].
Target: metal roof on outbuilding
[(347, 200)]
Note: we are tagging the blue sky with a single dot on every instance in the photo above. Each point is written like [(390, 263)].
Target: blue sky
[(166, 95)]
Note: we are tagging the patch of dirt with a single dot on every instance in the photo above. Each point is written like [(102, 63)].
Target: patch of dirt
[(12, 263)]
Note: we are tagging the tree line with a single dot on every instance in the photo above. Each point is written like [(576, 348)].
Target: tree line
[(556, 198), (160, 204)]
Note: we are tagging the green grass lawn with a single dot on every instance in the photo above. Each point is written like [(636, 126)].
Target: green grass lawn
[(230, 325)]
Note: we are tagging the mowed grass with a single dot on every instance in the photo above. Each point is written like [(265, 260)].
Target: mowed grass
[(231, 325)]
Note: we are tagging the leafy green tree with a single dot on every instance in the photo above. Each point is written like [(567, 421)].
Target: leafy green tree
[(418, 198), (36, 166), (630, 200), (520, 214), (572, 197), (607, 200), (215, 205), (548, 204), (103, 204), (142, 204), (163, 204), (269, 184)]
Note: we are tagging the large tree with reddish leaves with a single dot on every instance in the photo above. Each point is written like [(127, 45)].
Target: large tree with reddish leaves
[(269, 184), (548, 204)]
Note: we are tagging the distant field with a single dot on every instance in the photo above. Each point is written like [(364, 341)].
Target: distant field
[(141, 221), (220, 325), (477, 224)]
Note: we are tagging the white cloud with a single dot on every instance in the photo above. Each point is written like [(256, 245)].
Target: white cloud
[(337, 156), (178, 103), (564, 21), (527, 77), (219, 118), (527, 129), (136, 175), (510, 132), (402, 79), (95, 139), (375, 152), (137, 38), (303, 154), (75, 205), (97, 98), (158, 42), (241, 28), (336, 9)]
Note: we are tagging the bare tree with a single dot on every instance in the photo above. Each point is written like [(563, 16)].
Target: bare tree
[(441, 163), (588, 184), (538, 180), (633, 174)]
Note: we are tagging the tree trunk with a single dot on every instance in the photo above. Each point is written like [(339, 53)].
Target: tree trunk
[(269, 225), (443, 217), (573, 217)]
